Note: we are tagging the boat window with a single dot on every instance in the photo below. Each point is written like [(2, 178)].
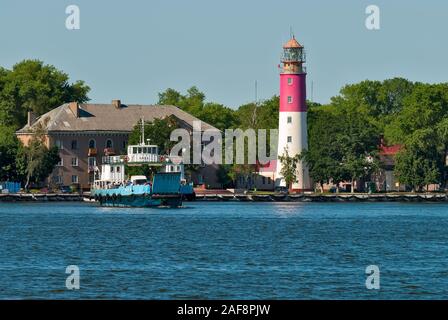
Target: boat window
[(134, 150), (118, 169), (140, 182), (139, 150), (111, 169), (145, 150)]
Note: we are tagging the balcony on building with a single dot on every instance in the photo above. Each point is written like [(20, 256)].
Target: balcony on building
[(109, 152), (92, 152), (92, 169)]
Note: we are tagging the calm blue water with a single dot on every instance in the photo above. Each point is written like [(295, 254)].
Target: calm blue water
[(225, 251)]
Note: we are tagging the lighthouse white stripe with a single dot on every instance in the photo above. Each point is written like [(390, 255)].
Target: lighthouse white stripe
[(297, 130)]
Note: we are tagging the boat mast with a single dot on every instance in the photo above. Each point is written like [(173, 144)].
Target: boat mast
[(142, 136)]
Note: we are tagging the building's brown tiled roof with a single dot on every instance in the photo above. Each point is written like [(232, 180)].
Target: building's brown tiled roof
[(106, 117)]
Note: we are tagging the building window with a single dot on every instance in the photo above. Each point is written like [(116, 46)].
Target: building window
[(74, 162), (92, 161), (92, 144), (124, 144), (57, 179), (289, 81), (59, 144), (264, 180), (289, 139), (289, 120), (109, 143), (61, 162), (74, 144), (74, 179), (289, 99)]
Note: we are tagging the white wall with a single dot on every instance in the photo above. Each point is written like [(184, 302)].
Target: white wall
[(297, 129)]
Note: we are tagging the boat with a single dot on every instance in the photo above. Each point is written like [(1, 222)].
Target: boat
[(167, 188)]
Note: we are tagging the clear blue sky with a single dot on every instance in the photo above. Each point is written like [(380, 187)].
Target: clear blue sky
[(133, 49)]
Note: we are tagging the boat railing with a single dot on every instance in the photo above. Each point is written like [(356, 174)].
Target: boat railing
[(144, 157), (112, 159)]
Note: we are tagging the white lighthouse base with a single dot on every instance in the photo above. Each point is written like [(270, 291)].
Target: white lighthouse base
[(293, 126), (303, 184)]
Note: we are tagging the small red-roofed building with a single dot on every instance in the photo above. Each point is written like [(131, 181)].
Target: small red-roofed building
[(385, 179)]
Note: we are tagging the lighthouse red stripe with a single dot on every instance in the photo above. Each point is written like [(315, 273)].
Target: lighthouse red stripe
[(293, 92)]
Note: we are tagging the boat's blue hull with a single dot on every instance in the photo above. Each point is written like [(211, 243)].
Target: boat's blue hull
[(166, 190), (140, 201)]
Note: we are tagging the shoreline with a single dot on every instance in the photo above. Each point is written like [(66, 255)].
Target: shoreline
[(379, 197), (210, 197), (40, 197)]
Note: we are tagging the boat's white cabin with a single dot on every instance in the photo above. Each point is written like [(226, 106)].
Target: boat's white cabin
[(143, 153), (113, 167)]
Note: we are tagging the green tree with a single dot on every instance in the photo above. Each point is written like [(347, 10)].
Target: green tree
[(358, 141), (218, 116), (31, 85), (289, 167), (8, 152), (35, 162), (424, 108), (418, 163), (379, 101), (342, 144), (225, 176), (323, 155), (193, 102), (158, 132)]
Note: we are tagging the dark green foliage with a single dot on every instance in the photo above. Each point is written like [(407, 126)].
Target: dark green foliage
[(31, 85), (289, 167), (35, 162), (225, 176), (342, 144), (158, 132), (8, 153), (194, 103)]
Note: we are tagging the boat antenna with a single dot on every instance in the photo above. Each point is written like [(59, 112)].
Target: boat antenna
[(142, 137), (254, 114), (312, 91)]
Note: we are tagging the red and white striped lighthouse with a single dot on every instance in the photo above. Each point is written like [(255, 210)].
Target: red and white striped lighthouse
[(293, 112)]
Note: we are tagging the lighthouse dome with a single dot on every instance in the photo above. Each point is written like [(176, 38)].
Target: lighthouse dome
[(292, 43)]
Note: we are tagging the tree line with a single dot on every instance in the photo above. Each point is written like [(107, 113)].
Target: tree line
[(344, 135)]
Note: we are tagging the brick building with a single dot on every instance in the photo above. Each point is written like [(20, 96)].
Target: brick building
[(86, 132)]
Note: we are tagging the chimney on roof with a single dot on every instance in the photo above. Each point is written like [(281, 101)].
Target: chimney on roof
[(116, 103), (74, 107), (31, 118)]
